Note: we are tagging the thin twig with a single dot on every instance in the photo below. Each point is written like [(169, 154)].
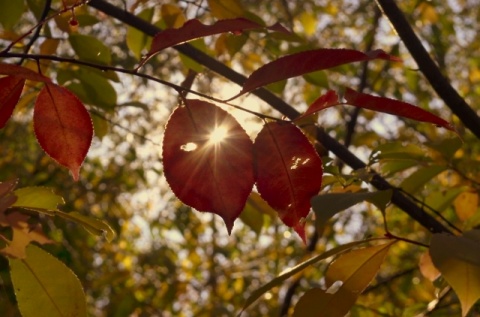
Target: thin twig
[(102, 67), (35, 35), (389, 279), (352, 122), (392, 236), (41, 22), (436, 212), (118, 125)]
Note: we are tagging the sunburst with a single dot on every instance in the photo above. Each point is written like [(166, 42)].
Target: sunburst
[(218, 135)]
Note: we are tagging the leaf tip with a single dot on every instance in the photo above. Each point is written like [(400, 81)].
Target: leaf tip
[(229, 224), (381, 54), (300, 230), (75, 170)]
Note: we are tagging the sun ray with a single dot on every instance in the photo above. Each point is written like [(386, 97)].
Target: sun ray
[(218, 135)]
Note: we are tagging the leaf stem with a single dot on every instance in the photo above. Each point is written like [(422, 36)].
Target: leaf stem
[(390, 235)]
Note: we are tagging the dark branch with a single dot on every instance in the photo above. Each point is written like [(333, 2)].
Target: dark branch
[(430, 70), (412, 209)]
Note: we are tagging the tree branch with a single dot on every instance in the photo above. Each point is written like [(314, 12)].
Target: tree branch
[(413, 210), (430, 70)]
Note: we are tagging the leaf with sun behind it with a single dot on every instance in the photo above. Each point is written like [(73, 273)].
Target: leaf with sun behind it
[(208, 159), (288, 172)]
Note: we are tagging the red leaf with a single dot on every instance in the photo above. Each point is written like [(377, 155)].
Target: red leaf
[(63, 126), (194, 29), (10, 90), (22, 72), (208, 160), (329, 99), (395, 107), (305, 62), (288, 172)]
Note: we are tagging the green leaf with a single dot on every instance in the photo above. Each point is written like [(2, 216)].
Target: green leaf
[(441, 200), (327, 205), (458, 259), (355, 270), (37, 198), (415, 181), (91, 86), (298, 268), (446, 147), (99, 90), (90, 49), (86, 20), (136, 39), (36, 6), (10, 12), (235, 43), (398, 151), (252, 218), (389, 168), (45, 287), (101, 126), (318, 78), (94, 226), (190, 63), (252, 214)]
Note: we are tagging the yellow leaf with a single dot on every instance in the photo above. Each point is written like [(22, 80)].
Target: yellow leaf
[(308, 303), (309, 23), (474, 75), (427, 268), (173, 16), (428, 13), (226, 9), (458, 259), (23, 234), (37, 198), (45, 287), (346, 278), (466, 205)]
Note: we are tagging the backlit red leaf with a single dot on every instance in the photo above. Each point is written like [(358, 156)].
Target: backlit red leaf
[(22, 72), (208, 160), (305, 62), (10, 90), (288, 172), (329, 99), (194, 29), (63, 126), (395, 107)]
